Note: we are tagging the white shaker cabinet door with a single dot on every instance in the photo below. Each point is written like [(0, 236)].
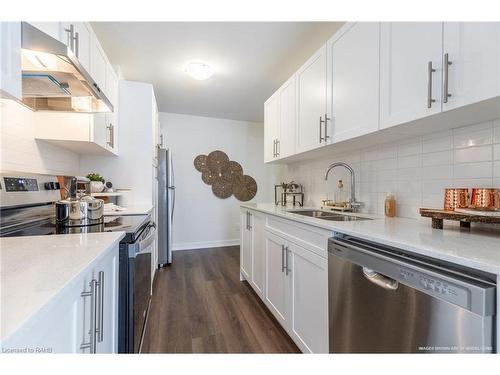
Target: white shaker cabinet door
[(277, 282), (355, 82), (311, 101), (271, 127), (410, 71), (287, 118), (473, 72), (246, 244), (309, 316), (258, 254), (10, 60)]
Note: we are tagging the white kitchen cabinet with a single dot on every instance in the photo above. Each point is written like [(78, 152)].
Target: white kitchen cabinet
[(62, 325), (271, 127), (81, 42), (98, 63), (246, 244), (309, 299), (354, 72), (276, 296), (10, 60), (473, 53), (410, 71), (311, 101), (112, 117), (287, 118), (82, 133), (258, 278)]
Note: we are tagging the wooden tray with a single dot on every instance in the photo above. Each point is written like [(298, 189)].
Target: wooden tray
[(465, 219)]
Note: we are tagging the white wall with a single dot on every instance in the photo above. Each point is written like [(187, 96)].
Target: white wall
[(201, 219), (20, 151), (133, 168), (416, 169)]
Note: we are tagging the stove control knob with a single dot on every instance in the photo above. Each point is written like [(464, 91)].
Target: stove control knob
[(57, 186), (47, 186)]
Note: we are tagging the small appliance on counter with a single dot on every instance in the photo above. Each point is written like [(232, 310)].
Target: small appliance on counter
[(286, 193)]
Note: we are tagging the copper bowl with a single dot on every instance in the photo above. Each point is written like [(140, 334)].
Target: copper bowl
[(456, 198), (487, 199)]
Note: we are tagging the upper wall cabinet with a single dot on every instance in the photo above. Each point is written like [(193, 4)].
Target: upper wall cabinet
[(472, 62), (311, 102), (271, 129), (10, 60), (410, 71), (353, 104), (287, 118)]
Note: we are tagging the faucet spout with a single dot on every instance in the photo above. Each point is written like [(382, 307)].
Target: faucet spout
[(353, 182)]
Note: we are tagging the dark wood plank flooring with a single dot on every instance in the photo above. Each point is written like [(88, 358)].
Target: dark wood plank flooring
[(199, 305)]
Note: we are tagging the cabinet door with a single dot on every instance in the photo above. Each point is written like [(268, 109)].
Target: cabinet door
[(309, 299), (406, 49), (277, 282), (355, 82), (271, 127), (98, 64), (246, 245), (82, 43), (287, 118), (473, 50), (258, 254), (107, 273), (10, 60), (311, 101), (99, 131)]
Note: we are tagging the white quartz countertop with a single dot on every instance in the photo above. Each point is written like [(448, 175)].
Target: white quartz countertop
[(34, 269), (132, 210), (477, 248)]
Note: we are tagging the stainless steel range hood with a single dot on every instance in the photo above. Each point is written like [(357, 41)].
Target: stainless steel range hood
[(53, 79)]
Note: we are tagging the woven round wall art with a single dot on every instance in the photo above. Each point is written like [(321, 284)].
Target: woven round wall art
[(222, 188), (244, 188), (225, 176), (200, 162)]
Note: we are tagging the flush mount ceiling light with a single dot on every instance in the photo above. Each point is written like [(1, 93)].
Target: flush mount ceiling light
[(198, 70)]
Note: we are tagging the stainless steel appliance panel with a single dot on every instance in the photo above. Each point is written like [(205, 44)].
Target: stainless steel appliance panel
[(386, 304), (166, 205)]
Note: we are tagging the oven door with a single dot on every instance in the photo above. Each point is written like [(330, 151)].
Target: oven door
[(140, 265)]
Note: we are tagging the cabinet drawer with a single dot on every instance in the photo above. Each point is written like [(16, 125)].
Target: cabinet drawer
[(307, 236)]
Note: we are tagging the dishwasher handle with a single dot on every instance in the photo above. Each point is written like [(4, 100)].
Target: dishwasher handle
[(380, 280)]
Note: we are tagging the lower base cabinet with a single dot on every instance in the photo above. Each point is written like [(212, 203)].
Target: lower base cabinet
[(82, 318), (291, 280)]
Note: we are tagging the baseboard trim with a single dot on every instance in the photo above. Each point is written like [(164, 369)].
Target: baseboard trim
[(204, 244)]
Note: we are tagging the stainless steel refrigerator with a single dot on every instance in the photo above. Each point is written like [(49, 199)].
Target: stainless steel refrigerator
[(166, 205)]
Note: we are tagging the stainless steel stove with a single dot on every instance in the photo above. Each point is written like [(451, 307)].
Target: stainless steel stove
[(27, 208)]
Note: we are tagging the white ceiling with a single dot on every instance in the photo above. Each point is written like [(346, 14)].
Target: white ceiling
[(251, 60)]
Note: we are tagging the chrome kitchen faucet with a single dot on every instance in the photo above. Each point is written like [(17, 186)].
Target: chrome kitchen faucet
[(353, 205)]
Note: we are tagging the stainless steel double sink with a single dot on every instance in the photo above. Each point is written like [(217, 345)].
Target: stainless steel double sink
[(327, 215)]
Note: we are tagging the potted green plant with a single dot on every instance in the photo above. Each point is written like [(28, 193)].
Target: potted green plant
[(96, 182)]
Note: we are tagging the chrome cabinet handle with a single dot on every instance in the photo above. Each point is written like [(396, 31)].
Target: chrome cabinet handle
[(430, 70), (274, 148), (278, 147), (71, 38), (91, 345), (111, 128), (326, 127), (249, 221), (380, 280), (321, 122), (100, 321), (77, 44), (283, 266), (446, 64), (287, 270)]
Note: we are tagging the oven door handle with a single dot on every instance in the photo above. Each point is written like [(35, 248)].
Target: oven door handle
[(146, 242)]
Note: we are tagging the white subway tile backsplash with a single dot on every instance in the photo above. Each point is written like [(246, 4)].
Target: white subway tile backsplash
[(473, 154), (416, 170), (475, 135)]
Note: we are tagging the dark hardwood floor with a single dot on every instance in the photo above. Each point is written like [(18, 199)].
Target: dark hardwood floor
[(199, 305)]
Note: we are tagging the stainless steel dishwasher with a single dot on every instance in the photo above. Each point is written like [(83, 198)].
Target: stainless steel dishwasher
[(383, 300)]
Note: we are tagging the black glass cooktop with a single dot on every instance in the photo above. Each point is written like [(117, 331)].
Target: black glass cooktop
[(129, 224)]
